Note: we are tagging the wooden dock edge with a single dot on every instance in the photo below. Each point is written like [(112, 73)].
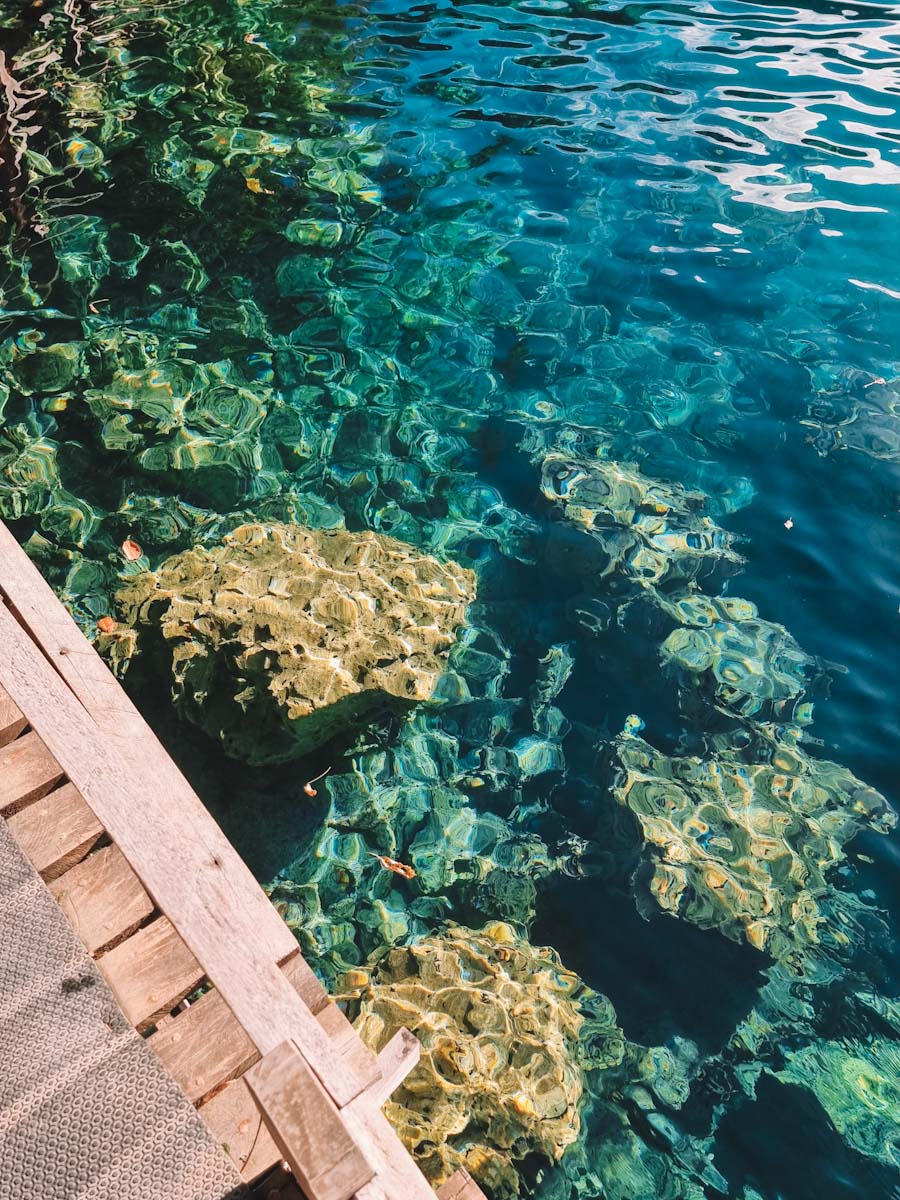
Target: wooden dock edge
[(165, 904)]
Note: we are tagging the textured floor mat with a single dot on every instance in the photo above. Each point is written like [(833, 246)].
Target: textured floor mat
[(87, 1112)]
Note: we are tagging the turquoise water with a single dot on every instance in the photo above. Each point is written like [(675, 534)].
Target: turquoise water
[(420, 270)]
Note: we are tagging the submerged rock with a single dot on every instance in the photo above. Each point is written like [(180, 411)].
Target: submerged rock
[(281, 637), (416, 800), (744, 664), (745, 848), (858, 1085), (507, 1033), (649, 532)]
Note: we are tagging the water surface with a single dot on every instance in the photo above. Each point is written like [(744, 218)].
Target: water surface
[(395, 257)]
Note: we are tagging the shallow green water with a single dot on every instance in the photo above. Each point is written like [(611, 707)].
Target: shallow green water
[(604, 303)]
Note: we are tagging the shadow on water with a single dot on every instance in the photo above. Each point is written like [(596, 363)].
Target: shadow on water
[(263, 811)]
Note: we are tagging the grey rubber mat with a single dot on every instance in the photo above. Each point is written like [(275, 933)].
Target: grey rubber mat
[(87, 1112)]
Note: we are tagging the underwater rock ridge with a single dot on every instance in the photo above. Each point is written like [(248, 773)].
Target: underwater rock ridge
[(653, 534), (279, 637)]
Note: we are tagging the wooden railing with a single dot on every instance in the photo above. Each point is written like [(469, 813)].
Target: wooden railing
[(318, 1088)]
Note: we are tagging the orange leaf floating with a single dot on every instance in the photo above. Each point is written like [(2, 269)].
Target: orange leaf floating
[(131, 550), (107, 625), (308, 787), (391, 864), (255, 186)]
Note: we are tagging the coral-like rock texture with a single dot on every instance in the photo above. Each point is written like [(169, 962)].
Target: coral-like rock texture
[(745, 848), (281, 637), (741, 662), (652, 533), (506, 1035), (858, 1085)]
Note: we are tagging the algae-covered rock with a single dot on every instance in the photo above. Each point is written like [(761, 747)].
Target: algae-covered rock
[(743, 663), (745, 848), (858, 1085), (649, 531), (280, 637), (506, 1032)]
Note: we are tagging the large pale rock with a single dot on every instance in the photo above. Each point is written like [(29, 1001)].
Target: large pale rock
[(281, 637), (506, 1033)]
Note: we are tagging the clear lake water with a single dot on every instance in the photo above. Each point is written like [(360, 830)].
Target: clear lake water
[(603, 302)]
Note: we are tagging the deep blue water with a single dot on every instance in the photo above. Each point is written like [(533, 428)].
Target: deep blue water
[(664, 235), (693, 214)]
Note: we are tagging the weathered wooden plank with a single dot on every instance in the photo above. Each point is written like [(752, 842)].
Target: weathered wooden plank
[(347, 1041), (150, 972), (12, 722), (397, 1176), (204, 1046), (307, 1126), (27, 771), (54, 630), (56, 832), (183, 859), (304, 980), (460, 1186), (233, 1117), (395, 1061), (237, 1125), (235, 1121), (103, 898)]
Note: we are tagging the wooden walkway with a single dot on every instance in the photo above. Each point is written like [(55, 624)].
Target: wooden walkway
[(165, 907)]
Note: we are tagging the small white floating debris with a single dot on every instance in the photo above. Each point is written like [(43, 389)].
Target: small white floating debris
[(789, 523)]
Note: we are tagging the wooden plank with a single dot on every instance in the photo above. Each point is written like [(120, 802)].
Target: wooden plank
[(307, 1127), (204, 1046), (305, 981), (27, 771), (56, 832), (53, 629), (235, 1121), (395, 1061), (102, 898), (347, 1041), (182, 858), (397, 1175), (150, 972), (460, 1186), (237, 1125), (12, 722)]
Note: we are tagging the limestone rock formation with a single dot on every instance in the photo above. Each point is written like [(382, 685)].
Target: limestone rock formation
[(745, 848), (506, 1035), (649, 532), (280, 637)]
